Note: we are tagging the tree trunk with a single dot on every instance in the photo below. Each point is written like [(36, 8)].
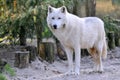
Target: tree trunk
[(117, 39), (77, 7), (22, 36), (39, 35), (111, 40), (90, 7)]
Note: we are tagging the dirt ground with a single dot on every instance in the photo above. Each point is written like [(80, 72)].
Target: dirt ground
[(38, 70)]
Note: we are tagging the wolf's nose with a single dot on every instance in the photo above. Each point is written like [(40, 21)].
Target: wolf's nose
[(55, 26)]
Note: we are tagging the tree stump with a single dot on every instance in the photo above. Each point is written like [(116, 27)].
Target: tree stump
[(2, 64), (21, 59), (117, 39), (32, 52), (61, 52), (84, 52), (47, 51), (111, 40)]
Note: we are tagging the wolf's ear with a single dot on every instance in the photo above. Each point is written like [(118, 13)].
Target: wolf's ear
[(63, 9), (50, 9)]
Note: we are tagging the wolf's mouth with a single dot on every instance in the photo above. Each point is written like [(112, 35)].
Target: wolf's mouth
[(54, 27)]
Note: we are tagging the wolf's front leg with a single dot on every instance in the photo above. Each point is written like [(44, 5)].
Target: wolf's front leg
[(77, 60), (69, 53)]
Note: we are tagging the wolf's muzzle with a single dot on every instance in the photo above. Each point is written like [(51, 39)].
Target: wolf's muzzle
[(55, 26)]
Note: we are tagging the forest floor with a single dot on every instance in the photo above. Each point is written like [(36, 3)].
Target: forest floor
[(38, 70)]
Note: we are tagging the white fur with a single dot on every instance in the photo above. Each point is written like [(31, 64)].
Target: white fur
[(76, 34)]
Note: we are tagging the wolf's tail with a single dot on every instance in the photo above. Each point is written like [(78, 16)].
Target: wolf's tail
[(104, 51)]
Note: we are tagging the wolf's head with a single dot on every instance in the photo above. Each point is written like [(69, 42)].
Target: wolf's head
[(56, 17)]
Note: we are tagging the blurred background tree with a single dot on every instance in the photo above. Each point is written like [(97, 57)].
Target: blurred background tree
[(90, 7)]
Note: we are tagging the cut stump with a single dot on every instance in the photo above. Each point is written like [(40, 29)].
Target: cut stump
[(61, 52), (32, 52), (47, 51), (21, 59)]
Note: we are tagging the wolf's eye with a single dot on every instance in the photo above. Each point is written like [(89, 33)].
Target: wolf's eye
[(53, 18), (59, 17)]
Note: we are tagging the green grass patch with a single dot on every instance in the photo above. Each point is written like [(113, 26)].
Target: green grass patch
[(9, 70), (2, 77)]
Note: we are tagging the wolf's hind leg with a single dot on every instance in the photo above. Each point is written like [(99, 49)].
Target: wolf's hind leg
[(96, 58), (99, 58)]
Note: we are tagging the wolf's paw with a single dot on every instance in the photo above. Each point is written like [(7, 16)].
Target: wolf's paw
[(77, 71), (69, 72), (98, 70), (72, 73)]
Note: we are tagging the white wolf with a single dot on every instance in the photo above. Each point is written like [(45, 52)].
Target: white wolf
[(76, 33)]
